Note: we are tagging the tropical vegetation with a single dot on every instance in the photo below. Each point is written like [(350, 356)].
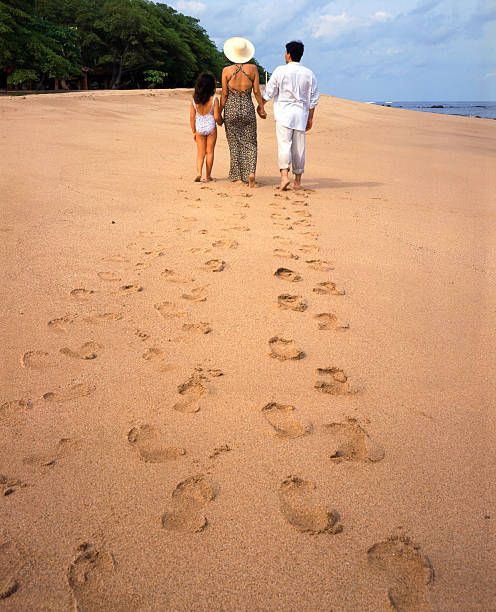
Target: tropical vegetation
[(106, 43)]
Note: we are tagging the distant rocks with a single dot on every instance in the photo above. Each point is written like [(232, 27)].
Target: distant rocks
[(437, 106)]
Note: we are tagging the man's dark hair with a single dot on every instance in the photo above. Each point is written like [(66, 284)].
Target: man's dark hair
[(295, 48), (204, 88)]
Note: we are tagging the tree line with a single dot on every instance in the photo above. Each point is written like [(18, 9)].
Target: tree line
[(106, 43)]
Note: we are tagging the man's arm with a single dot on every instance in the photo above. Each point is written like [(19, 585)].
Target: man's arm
[(310, 119), (314, 100)]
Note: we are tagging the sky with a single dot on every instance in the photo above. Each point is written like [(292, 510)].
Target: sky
[(370, 50)]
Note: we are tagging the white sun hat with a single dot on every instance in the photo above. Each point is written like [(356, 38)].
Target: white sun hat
[(239, 50)]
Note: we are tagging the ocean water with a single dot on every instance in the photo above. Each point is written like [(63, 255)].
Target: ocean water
[(486, 110)]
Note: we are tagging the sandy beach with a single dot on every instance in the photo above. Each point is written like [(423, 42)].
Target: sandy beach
[(217, 398)]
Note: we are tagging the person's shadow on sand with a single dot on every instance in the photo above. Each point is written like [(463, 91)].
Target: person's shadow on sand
[(322, 183)]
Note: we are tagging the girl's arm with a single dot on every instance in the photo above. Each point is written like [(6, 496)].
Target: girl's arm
[(192, 116), (258, 94), (217, 115), (223, 96)]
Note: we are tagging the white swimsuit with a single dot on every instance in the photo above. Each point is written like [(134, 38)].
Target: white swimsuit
[(205, 124)]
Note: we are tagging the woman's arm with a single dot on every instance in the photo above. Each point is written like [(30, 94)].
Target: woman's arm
[(217, 115), (223, 96), (192, 117), (257, 93)]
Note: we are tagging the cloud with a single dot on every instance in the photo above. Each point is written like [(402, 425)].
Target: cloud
[(489, 75), (331, 26), (190, 7)]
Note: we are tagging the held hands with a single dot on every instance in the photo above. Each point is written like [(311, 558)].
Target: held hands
[(261, 112)]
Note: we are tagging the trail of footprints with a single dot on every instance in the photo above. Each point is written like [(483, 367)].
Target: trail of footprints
[(397, 561), (405, 571)]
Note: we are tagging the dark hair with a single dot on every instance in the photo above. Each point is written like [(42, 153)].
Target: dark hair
[(295, 49), (204, 88)]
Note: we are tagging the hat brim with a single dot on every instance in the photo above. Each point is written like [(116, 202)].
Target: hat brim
[(235, 56)]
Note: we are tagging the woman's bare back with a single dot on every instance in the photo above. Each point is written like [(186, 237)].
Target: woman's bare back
[(240, 81)]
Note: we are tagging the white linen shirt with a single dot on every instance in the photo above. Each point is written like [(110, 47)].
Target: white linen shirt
[(295, 92)]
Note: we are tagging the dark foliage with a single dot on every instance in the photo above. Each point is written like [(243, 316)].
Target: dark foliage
[(117, 43)]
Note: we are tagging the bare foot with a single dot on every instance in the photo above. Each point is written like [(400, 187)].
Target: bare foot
[(284, 184), (209, 179), (251, 181), (198, 178), (296, 186)]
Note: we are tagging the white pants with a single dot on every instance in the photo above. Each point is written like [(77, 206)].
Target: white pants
[(291, 148)]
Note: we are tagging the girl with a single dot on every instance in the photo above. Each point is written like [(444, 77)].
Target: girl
[(204, 114)]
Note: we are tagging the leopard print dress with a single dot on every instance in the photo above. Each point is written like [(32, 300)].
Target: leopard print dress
[(241, 131)]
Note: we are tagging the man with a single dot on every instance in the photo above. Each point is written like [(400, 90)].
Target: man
[(295, 93)]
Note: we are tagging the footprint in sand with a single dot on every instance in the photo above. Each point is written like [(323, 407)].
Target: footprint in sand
[(126, 289), (140, 265), (352, 443), (8, 486), (65, 447), (218, 450), (236, 228), (329, 321), (303, 223), (188, 500), (74, 392), (284, 349), (61, 324), (285, 301), (303, 213), (115, 259), (155, 355), (336, 383), (309, 248), (282, 240), (88, 576), (168, 310), (280, 216), (12, 562), (284, 253), (88, 350), (192, 391), (109, 276), (214, 265), (199, 328), (13, 411), (104, 317), (287, 275), (225, 243), (171, 277), (81, 294), (35, 360), (195, 250), (142, 335), (197, 294), (146, 441), (328, 288), (299, 507), (406, 572), (283, 422), (320, 264)]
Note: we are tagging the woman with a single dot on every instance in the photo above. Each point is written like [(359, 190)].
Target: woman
[(238, 81)]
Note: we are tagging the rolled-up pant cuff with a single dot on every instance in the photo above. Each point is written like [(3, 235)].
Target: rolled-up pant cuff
[(291, 148)]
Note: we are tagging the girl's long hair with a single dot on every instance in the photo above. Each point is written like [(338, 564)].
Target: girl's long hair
[(204, 88)]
